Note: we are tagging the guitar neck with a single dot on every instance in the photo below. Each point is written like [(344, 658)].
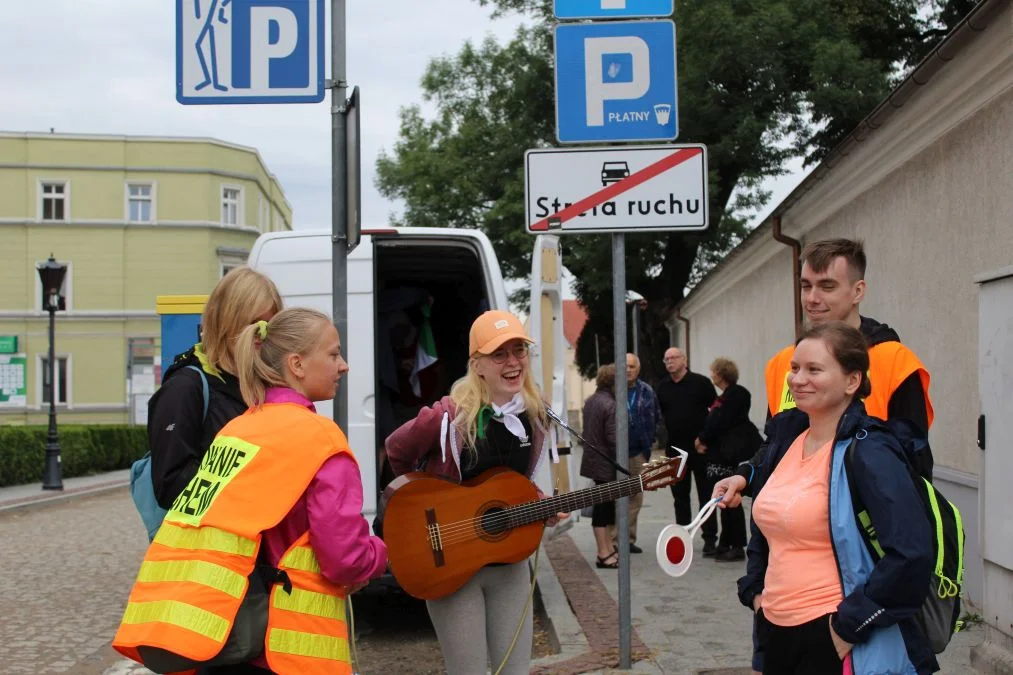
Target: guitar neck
[(522, 514)]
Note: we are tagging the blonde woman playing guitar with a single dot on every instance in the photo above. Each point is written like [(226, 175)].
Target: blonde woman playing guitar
[(493, 418)]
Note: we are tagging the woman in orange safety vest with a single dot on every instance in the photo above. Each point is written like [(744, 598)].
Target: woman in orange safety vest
[(277, 502)]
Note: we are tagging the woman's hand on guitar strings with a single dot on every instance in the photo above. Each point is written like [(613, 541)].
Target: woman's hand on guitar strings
[(552, 521)]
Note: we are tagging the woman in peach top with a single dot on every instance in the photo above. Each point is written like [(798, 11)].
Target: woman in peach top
[(824, 604)]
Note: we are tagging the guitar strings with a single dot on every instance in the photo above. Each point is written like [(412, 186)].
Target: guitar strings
[(450, 529), (463, 530), (529, 507)]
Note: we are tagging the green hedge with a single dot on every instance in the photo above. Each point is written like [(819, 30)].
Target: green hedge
[(85, 449)]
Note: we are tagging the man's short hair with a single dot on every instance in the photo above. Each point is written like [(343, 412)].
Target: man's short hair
[(820, 255)]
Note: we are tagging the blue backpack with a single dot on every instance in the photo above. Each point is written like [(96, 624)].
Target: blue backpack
[(142, 489)]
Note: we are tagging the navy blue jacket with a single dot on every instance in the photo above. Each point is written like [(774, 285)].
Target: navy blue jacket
[(881, 596)]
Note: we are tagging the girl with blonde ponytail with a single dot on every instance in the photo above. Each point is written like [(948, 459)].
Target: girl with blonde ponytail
[(493, 417), (284, 476)]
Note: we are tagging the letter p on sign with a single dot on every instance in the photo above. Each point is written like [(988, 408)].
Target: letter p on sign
[(275, 31), (615, 68)]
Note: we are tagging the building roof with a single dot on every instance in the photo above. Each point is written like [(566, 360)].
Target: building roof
[(574, 318)]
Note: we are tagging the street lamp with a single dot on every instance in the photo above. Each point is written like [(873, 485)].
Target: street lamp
[(51, 274)]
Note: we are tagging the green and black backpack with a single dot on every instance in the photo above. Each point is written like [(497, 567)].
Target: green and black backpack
[(940, 614)]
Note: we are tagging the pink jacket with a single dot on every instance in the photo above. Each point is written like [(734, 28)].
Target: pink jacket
[(432, 435), (331, 509)]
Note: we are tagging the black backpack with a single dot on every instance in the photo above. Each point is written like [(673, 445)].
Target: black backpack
[(940, 613)]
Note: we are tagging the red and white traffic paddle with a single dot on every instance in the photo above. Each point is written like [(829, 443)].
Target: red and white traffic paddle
[(675, 543)]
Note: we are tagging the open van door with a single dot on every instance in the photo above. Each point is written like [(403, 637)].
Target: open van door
[(548, 358)]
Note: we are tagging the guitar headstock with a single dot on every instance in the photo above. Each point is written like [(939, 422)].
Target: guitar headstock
[(661, 473)]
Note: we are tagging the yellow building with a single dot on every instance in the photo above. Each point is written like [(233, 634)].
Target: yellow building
[(132, 218)]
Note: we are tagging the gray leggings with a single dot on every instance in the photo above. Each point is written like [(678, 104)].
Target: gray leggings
[(476, 623)]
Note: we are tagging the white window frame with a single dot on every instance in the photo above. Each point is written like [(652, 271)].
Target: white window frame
[(42, 182), (228, 262), (68, 286), (153, 198), (240, 219), (41, 383)]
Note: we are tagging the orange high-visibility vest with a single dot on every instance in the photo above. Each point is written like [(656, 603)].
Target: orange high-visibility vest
[(194, 575), (890, 363)]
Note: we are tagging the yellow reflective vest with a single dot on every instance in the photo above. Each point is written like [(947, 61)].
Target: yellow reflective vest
[(194, 575)]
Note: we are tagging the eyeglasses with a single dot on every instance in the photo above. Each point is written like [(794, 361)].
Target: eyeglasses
[(519, 351)]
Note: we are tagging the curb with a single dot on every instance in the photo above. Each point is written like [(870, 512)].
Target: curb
[(61, 495), (560, 621), (579, 611)]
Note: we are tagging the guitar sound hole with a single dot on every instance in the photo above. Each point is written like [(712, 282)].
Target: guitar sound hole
[(494, 522)]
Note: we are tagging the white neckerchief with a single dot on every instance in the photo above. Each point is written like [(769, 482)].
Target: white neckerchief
[(507, 416)]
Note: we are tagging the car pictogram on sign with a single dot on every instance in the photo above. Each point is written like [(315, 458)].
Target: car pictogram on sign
[(613, 172)]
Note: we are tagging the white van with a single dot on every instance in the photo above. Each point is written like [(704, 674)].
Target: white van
[(392, 275)]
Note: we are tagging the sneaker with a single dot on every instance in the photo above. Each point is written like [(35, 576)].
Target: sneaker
[(731, 555), (710, 549)]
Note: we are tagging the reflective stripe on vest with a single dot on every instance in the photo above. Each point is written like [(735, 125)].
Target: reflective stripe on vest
[(306, 631), (178, 614), (198, 571), (206, 538), (293, 643)]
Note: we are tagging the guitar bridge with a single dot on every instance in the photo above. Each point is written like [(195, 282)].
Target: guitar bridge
[(435, 538)]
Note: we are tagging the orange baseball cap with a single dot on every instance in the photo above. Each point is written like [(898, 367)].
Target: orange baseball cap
[(492, 329)]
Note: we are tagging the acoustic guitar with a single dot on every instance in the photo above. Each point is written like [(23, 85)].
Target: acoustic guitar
[(440, 533)]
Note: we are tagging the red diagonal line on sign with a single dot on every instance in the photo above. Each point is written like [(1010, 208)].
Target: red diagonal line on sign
[(647, 173)]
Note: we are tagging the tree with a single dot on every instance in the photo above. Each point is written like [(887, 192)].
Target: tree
[(759, 81)]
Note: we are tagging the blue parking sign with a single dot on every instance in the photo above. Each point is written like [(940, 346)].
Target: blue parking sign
[(249, 51), (612, 9), (616, 82)]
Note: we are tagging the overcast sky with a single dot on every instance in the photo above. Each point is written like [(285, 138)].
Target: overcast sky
[(108, 67)]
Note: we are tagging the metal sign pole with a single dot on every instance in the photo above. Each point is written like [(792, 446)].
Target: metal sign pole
[(339, 197), (622, 442)]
